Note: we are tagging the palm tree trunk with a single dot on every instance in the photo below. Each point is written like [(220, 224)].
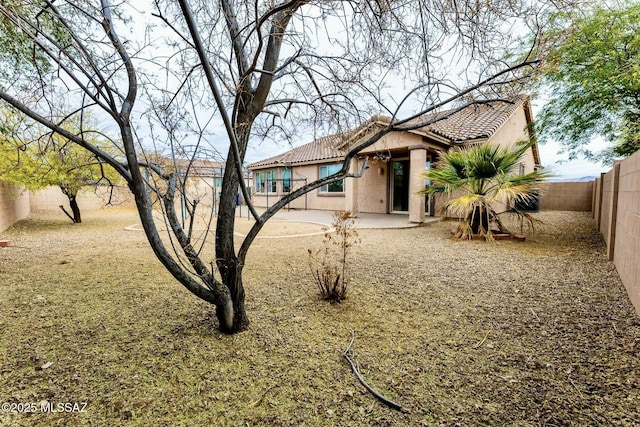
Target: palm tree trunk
[(479, 219)]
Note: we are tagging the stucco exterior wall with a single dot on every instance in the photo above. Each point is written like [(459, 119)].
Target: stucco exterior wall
[(372, 188), (515, 130), (14, 204), (397, 141), (313, 200)]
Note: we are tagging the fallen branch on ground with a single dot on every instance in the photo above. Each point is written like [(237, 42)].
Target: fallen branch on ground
[(356, 371)]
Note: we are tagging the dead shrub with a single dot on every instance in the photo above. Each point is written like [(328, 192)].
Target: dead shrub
[(329, 265)]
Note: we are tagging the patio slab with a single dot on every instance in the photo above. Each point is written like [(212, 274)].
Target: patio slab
[(363, 220)]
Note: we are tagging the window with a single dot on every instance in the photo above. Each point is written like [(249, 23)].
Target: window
[(521, 171), (259, 182), (272, 181), (427, 166), (286, 180), (334, 187)]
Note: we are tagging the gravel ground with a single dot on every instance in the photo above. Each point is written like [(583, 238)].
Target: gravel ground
[(534, 333)]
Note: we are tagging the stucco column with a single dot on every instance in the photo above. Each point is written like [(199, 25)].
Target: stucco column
[(417, 164), (351, 189)]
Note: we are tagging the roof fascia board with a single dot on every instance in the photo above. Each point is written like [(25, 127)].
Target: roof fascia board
[(295, 164)]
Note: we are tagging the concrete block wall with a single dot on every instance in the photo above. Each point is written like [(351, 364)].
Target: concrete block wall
[(626, 253), (14, 204), (50, 198), (567, 196), (608, 207), (616, 211)]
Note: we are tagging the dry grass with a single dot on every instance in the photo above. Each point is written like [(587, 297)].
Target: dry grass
[(460, 333)]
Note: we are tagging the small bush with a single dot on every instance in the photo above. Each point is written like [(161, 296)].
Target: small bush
[(329, 265)]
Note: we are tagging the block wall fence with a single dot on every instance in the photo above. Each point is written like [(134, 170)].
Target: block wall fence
[(616, 211), (14, 204), (17, 203), (567, 196)]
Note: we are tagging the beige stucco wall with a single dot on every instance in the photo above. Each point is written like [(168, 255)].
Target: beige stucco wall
[(393, 142), (313, 199), (512, 131), (372, 188), (14, 204)]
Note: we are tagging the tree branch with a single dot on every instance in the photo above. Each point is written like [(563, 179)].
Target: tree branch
[(356, 371), (121, 169), (204, 60)]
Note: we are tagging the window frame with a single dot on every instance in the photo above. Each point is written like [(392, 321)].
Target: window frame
[(327, 188), (286, 180), (271, 181), (259, 179)]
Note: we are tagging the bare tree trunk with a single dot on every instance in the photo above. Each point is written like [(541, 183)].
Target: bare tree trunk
[(229, 266), (73, 204), (235, 311), (75, 209)]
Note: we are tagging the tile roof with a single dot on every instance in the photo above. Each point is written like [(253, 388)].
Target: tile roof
[(321, 149), (196, 167), (478, 121)]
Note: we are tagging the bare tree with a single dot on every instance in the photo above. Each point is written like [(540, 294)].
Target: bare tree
[(266, 70)]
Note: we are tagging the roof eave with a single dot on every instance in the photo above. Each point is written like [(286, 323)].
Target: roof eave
[(292, 164)]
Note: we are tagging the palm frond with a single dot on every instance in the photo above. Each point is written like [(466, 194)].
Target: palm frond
[(460, 206), (485, 173)]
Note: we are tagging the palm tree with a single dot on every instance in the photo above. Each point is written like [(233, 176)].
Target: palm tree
[(477, 176)]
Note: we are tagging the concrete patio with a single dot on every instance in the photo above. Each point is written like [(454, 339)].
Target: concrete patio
[(363, 220)]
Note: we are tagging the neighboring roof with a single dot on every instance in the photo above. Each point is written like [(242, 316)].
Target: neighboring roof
[(196, 167), (321, 149), (472, 123), (202, 167)]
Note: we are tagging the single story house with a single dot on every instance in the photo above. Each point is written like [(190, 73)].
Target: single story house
[(396, 162)]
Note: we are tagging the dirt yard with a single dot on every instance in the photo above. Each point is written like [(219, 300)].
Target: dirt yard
[(534, 333)]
